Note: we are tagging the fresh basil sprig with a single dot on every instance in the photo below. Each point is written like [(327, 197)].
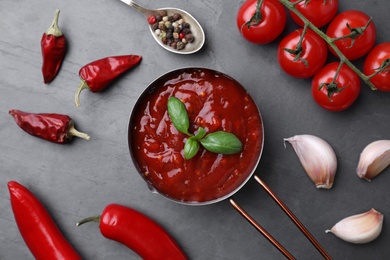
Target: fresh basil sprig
[(217, 142), (178, 113), (191, 147), (221, 142)]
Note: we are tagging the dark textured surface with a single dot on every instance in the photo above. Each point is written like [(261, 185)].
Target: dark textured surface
[(77, 180)]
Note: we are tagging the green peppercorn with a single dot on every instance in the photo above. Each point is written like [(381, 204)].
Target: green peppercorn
[(168, 24), (180, 45), (163, 35)]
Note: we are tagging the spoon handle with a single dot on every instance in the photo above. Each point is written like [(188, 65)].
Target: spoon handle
[(142, 10)]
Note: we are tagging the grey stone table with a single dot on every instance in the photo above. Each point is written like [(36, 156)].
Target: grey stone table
[(78, 180)]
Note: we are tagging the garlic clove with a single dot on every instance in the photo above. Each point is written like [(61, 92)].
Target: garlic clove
[(317, 158), (374, 158), (360, 228)]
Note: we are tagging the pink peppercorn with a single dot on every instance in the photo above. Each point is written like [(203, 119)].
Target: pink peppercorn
[(152, 19)]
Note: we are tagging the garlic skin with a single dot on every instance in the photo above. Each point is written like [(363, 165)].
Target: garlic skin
[(374, 158), (317, 158), (360, 228)]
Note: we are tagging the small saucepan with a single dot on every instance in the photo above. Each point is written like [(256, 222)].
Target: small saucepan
[(215, 102)]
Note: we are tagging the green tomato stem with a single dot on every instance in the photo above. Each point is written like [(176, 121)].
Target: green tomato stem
[(257, 16), (385, 66), (337, 72), (330, 41)]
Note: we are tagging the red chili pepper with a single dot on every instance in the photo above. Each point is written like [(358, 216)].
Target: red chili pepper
[(38, 229), (56, 128), (53, 46), (98, 74), (138, 232)]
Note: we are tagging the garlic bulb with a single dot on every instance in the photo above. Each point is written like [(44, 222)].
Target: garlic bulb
[(359, 229), (374, 159), (317, 158)]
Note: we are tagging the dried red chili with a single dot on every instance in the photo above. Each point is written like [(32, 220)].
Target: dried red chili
[(98, 74), (38, 229), (53, 46), (138, 232), (56, 128)]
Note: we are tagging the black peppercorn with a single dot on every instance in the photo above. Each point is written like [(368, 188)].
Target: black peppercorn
[(186, 30), (176, 16), (155, 26), (189, 37), (185, 25), (169, 35), (158, 18), (163, 13)]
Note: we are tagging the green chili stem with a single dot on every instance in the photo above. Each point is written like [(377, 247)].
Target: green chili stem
[(72, 131), (90, 219), (330, 41), (54, 29), (83, 85)]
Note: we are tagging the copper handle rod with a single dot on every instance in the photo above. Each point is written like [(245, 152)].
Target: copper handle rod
[(294, 219), (262, 230)]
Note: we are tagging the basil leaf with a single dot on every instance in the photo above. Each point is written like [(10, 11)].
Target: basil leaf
[(178, 114), (200, 134), (191, 147), (221, 142)]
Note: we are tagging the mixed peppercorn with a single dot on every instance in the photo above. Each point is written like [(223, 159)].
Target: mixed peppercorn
[(171, 29)]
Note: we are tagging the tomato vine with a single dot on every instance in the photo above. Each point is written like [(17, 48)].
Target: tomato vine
[(330, 41)]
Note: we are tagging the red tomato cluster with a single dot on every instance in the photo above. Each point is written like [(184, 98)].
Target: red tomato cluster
[(303, 53)]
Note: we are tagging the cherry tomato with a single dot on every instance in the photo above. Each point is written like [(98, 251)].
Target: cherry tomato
[(319, 12), (312, 58), (374, 60), (345, 92), (362, 44), (270, 26)]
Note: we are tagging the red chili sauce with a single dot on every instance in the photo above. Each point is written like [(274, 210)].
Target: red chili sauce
[(213, 101)]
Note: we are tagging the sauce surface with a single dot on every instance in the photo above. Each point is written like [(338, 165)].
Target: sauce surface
[(213, 101)]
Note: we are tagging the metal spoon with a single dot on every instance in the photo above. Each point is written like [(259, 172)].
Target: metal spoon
[(196, 28)]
